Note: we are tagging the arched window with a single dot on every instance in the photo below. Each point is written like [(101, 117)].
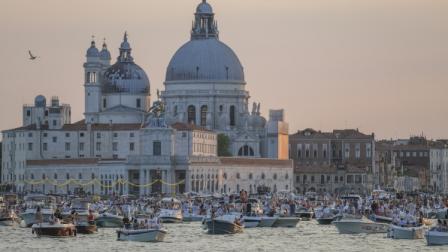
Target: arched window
[(232, 115), (246, 151), (204, 110), (192, 114)]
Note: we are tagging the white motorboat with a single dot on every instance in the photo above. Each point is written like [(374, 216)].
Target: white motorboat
[(54, 230), (7, 217), (381, 219), (251, 221), (141, 235), (437, 236), (171, 211), (267, 221), (225, 224), (109, 220), (32, 203), (350, 225), (286, 222), (398, 232)]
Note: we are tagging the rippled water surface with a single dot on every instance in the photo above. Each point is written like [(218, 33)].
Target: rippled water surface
[(307, 236)]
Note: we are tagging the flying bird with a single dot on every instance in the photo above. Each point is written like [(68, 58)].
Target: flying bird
[(32, 57)]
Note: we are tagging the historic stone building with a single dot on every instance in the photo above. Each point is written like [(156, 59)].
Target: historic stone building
[(439, 167), (126, 145), (341, 161)]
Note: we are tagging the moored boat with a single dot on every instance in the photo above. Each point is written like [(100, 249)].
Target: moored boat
[(251, 221), (109, 220), (141, 235), (325, 220), (54, 230), (398, 232), (381, 219), (267, 221), (286, 222), (226, 224), (359, 225), (437, 236), (171, 211)]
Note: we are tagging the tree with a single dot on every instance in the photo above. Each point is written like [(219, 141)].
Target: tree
[(223, 146)]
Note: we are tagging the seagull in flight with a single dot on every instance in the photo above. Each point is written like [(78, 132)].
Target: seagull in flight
[(32, 57)]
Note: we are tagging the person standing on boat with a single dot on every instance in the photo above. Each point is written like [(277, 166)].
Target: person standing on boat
[(39, 217)]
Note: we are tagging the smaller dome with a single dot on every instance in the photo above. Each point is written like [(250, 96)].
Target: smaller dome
[(105, 54), (92, 51), (204, 8), (40, 101)]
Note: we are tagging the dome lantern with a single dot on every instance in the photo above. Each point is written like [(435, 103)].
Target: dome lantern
[(204, 25)]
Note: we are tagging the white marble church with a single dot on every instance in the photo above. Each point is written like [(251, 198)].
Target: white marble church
[(125, 145)]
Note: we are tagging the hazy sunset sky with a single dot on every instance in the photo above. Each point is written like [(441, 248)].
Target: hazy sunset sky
[(377, 65)]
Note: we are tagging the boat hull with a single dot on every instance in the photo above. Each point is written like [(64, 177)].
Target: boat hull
[(436, 238), (396, 232), (30, 218), (381, 219), (86, 229), (193, 218), (109, 222), (360, 227), (267, 221), (325, 221), (57, 230), (7, 221), (170, 220), (223, 227), (288, 222), (146, 235)]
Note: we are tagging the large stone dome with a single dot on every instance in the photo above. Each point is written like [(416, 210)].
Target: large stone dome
[(205, 59)]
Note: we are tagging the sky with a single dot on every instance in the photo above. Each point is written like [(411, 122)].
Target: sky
[(377, 65)]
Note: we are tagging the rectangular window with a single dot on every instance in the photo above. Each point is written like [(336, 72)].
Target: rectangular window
[(98, 146), (115, 134), (45, 146), (349, 179), (138, 103), (30, 146), (81, 134), (30, 134), (98, 135), (131, 146), (358, 151), (131, 134), (55, 139), (81, 146), (67, 134), (45, 134), (104, 103), (368, 150), (347, 151), (115, 146), (28, 113), (67, 146), (157, 148), (54, 123)]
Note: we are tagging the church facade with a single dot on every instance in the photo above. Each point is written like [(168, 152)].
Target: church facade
[(126, 145)]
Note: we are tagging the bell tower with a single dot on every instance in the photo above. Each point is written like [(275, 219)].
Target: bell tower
[(92, 86)]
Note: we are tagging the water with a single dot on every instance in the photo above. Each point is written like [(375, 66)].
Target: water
[(307, 236)]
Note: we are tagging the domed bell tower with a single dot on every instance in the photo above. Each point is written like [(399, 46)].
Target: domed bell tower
[(92, 72)]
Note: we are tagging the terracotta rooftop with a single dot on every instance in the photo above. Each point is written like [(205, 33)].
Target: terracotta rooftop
[(188, 127), (255, 161), (62, 161)]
